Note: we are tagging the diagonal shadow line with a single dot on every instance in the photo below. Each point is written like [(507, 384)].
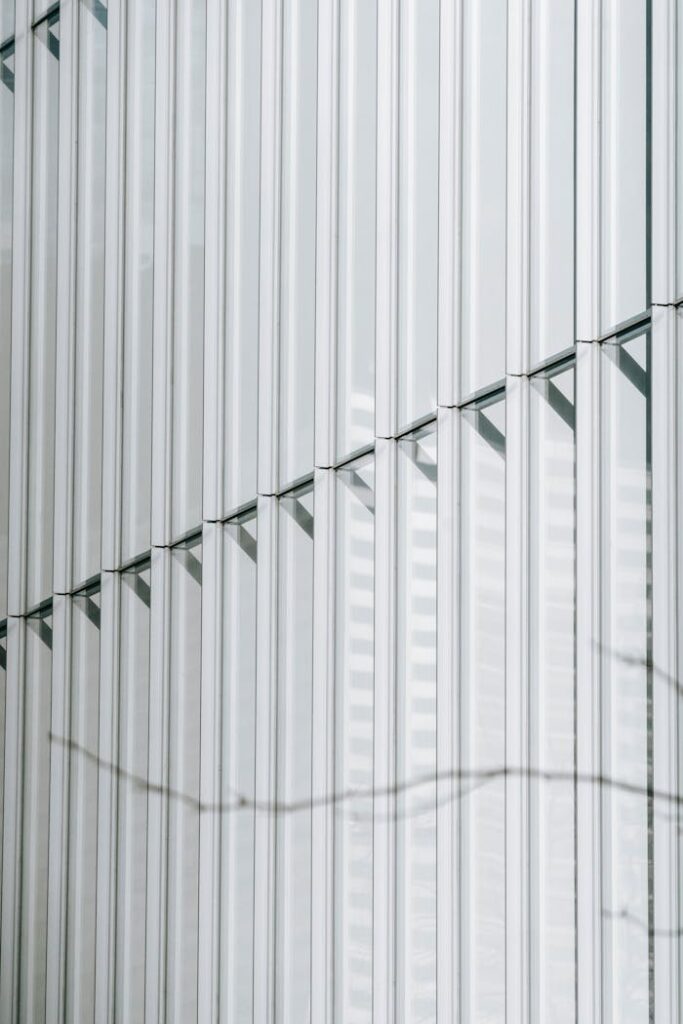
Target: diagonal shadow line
[(244, 539), (299, 513), (359, 488), (489, 432), (139, 586)]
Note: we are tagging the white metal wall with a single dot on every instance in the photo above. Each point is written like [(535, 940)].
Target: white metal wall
[(340, 433)]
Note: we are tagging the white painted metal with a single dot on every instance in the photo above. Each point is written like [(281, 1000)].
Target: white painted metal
[(162, 358), (214, 264), (326, 235), (450, 185), (588, 82), (386, 381), (518, 186), (66, 295), (269, 285), (666, 115), (112, 394), (21, 298)]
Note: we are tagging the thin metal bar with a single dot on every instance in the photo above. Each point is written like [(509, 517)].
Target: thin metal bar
[(51, 15)]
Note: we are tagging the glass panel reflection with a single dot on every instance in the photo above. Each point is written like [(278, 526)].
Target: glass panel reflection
[(354, 704), (416, 728), (183, 777), (35, 819), (626, 711), (294, 752), (238, 759), (131, 875), (552, 726), (82, 821), (482, 711)]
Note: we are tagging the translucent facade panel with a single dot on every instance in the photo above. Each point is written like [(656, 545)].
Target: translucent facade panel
[(81, 902), (626, 724), (552, 725), (297, 236), (354, 710), (35, 820), (188, 277), (167, 907), (43, 311), (92, 95), (183, 777), (238, 761), (356, 227), (136, 463), (624, 171), (552, 187), (294, 752), (418, 214), (131, 857), (6, 195), (482, 713), (242, 256), (483, 202), (416, 729)]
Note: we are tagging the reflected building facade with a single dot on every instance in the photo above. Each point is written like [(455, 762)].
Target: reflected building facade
[(341, 405)]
